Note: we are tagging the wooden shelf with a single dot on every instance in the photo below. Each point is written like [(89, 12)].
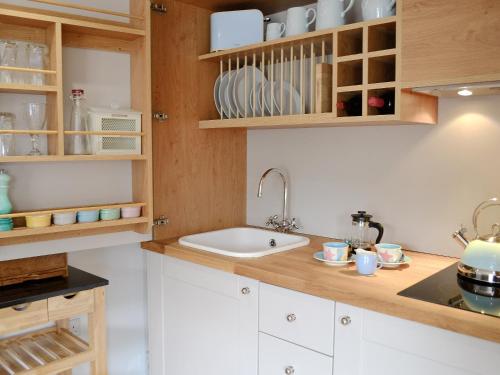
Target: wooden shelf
[(27, 89), (105, 133), (26, 232), (29, 132), (69, 158), (48, 351), (27, 70)]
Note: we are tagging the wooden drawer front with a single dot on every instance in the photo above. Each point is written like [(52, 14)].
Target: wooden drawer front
[(23, 316), (297, 317), (62, 307), (280, 357)]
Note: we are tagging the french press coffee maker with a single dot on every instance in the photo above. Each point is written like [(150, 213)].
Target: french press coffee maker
[(360, 232)]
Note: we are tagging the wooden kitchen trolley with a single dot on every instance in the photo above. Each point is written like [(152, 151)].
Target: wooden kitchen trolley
[(53, 350)]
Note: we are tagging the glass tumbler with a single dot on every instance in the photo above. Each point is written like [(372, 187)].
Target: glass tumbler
[(37, 55), (7, 121), (8, 58), (37, 120)]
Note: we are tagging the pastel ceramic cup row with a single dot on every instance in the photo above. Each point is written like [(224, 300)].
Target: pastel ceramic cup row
[(389, 253), (336, 251)]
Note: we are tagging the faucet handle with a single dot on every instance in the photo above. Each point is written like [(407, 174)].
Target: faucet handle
[(294, 225), (272, 220)]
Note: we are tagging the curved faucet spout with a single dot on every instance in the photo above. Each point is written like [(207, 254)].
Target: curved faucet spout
[(284, 178)]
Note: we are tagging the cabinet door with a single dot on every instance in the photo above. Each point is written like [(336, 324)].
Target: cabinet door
[(369, 343), (199, 175), (278, 357), (210, 321), (448, 42)]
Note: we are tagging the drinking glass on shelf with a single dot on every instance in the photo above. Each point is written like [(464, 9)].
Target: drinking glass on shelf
[(8, 58), (22, 62), (7, 121), (37, 120), (37, 54)]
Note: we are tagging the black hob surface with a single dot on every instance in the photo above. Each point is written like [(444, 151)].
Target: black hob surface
[(450, 289)]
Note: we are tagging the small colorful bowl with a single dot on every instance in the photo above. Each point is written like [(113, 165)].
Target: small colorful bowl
[(39, 221), (110, 214), (65, 218), (88, 216), (131, 212), (6, 225)]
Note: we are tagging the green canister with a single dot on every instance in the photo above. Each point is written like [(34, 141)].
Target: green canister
[(5, 205)]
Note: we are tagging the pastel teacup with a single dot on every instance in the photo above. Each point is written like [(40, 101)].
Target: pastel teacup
[(336, 251), (389, 253)]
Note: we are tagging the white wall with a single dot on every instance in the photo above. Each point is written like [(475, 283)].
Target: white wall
[(421, 182)]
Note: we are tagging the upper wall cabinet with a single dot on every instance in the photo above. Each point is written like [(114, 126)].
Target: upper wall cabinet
[(450, 42), (344, 76)]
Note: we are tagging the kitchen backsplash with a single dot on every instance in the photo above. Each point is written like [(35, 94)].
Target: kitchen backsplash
[(420, 182)]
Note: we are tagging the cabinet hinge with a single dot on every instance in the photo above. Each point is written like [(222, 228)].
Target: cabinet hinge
[(155, 7), (160, 116), (162, 220)]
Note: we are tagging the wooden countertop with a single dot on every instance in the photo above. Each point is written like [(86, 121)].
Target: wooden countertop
[(297, 270)]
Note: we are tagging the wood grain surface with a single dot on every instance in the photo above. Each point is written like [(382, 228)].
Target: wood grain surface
[(297, 270)]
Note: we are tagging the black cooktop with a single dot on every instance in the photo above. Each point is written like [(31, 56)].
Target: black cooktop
[(450, 289)]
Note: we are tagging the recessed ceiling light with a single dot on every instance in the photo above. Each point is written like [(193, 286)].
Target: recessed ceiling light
[(464, 92)]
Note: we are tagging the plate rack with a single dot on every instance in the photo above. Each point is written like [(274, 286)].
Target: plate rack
[(298, 81)]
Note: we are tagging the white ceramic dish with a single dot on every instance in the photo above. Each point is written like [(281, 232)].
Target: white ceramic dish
[(319, 256), (405, 260), (222, 90), (216, 93), (228, 94), (130, 212), (239, 89), (288, 90), (267, 100), (64, 218)]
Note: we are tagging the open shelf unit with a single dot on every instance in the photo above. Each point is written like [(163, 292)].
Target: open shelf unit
[(42, 352), (58, 30), (355, 61)]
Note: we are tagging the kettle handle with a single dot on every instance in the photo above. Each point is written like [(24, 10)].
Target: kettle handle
[(481, 208), (379, 228)]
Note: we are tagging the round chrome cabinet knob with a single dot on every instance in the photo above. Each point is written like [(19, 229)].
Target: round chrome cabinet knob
[(291, 318), (345, 320), (245, 291), (289, 370)]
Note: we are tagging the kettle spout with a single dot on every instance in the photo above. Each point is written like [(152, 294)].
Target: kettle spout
[(459, 235)]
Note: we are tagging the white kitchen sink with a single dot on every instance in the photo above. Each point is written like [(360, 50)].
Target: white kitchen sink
[(244, 242)]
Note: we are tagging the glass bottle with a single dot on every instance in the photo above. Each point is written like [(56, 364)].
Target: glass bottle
[(7, 140), (78, 144)]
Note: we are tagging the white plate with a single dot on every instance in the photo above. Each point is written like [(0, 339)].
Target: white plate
[(319, 256), (267, 99), (222, 89), (228, 94), (288, 90), (216, 93), (239, 88), (406, 260)]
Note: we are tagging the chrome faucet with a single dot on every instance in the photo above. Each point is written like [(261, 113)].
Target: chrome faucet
[(284, 225)]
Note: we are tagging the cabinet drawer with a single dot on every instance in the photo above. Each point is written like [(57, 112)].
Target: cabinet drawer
[(23, 316), (297, 317), (62, 307), (280, 357)]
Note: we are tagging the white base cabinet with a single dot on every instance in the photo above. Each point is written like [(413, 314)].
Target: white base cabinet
[(207, 322), (369, 343)]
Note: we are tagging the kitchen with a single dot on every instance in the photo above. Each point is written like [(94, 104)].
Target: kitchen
[(423, 187)]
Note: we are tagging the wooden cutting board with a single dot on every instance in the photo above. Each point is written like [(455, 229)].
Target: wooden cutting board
[(324, 77), (36, 268)]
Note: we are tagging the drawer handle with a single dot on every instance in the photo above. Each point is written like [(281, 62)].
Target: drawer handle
[(70, 296), (345, 320), (291, 318), (21, 307), (245, 291), (289, 370)]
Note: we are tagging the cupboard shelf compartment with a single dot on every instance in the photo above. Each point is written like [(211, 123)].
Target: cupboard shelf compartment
[(350, 42), (71, 209), (382, 69), (48, 351), (377, 92), (350, 73), (382, 37), (345, 96)]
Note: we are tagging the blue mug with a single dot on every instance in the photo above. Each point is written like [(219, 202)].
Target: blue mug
[(367, 262)]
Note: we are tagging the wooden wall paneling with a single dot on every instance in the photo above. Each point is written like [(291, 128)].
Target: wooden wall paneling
[(446, 42), (142, 173), (199, 175), (76, 40)]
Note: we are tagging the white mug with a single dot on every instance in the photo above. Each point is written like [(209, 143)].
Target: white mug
[(331, 13), (275, 30), (297, 20), (377, 9)]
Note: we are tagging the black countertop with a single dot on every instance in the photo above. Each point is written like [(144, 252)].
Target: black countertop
[(31, 291)]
